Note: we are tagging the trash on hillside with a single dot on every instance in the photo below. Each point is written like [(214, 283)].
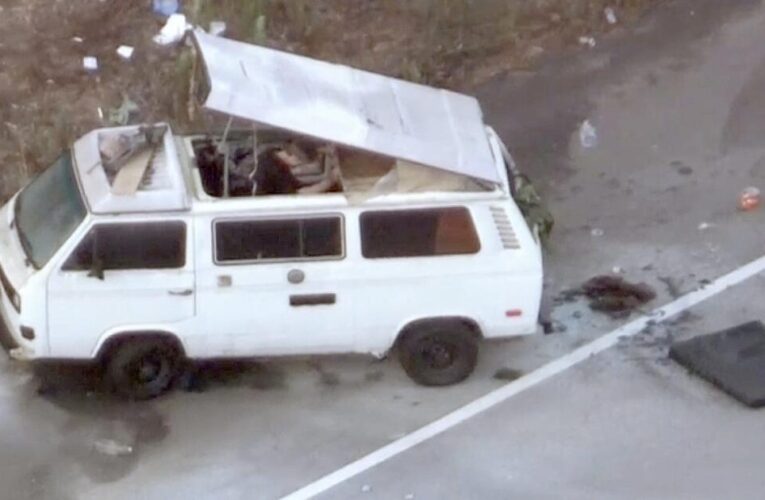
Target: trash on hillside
[(90, 63), (749, 200), (123, 114), (610, 14), (112, 448), (588, 135), (77, 39), (613, 294), (166, 8), (597, 232), (706, 225), (587, 40), (125, 52), (217, 28), (366, 488), (173, 31)]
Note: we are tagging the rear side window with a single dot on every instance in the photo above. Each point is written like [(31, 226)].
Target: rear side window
[(418, 233), (280, 239), (132, 246)]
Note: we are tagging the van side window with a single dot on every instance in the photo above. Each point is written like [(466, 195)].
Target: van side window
[(131, 246), (418, 233), (278, 239)]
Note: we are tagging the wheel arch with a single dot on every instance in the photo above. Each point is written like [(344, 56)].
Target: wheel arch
[(465, 322), (110, 342)]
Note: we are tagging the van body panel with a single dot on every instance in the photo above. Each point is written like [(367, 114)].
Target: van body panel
[(83, 310)]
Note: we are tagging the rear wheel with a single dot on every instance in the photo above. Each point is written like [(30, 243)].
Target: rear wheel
[(143, 369), (439, 355)]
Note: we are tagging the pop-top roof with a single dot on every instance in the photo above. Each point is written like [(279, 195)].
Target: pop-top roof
[(157, 184), (342, 105)]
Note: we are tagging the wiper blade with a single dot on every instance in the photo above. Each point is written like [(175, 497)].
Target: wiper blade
[(22, 237)]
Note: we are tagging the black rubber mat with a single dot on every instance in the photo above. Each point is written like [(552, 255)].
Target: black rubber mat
[(733, 360)]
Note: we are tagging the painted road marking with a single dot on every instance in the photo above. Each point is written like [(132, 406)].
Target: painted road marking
[(528, 381)]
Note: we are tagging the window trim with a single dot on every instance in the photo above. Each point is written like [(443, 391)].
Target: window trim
[(248, 262), (464, 208), (185, 249)]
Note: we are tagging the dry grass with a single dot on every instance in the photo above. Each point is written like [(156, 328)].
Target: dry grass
[(47, 100)]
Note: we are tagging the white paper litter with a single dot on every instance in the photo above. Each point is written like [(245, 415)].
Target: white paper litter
[(90, 63), (587, 40), (77, 39), (588, 135), (112, 448), (125, 51), (610, 15), (173, 31)]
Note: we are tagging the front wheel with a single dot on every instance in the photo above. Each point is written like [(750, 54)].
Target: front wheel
[(143, 369), (438, 355)]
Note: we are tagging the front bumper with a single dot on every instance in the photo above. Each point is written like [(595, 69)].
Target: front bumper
[(6, 339)]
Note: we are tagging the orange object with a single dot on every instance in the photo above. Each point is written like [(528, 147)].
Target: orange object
[(749, 200)]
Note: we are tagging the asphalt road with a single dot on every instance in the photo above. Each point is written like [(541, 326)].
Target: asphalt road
[(677, 103)]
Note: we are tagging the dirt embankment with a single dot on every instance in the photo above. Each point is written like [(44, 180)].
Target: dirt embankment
[(47, 99)]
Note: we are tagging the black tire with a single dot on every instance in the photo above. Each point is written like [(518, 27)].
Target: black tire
[(438, 354), (143, 368)]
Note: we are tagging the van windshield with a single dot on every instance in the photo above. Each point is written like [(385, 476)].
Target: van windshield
[(48, 211)]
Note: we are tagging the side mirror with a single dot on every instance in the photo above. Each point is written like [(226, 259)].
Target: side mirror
[(96, 269)]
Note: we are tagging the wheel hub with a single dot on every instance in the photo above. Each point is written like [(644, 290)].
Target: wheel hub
[(438, 355)]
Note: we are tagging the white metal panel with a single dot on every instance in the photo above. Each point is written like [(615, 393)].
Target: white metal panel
[(339, 104)]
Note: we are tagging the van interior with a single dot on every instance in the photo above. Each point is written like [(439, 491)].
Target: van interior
[(272, 162)]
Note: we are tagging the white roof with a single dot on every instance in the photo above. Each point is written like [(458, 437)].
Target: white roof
[(342, 105), (162, 187)]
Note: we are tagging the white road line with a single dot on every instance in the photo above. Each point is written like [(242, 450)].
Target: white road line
[(528, 381)]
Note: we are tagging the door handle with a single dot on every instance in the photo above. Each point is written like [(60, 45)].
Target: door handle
[(180, 293), (319, 299)]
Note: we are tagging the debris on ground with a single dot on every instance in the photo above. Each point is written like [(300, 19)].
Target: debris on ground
[(508, 374), (112, 448), (587, 40), (733, 360), (706, 225), (125, 52), (366, 488), (90, 63), (124, 113), (173, 31), (588, 135), (77, 39), (749, 200), (613, 294), (610, 14), (597, 232)]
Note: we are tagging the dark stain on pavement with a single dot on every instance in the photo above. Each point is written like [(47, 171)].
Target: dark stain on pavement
[(104, 436), (203, 376), (507, 374)]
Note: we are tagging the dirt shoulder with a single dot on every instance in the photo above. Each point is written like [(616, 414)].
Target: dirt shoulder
[(47, 99)]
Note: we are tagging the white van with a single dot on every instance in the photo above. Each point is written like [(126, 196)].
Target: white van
[(140, 249)]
